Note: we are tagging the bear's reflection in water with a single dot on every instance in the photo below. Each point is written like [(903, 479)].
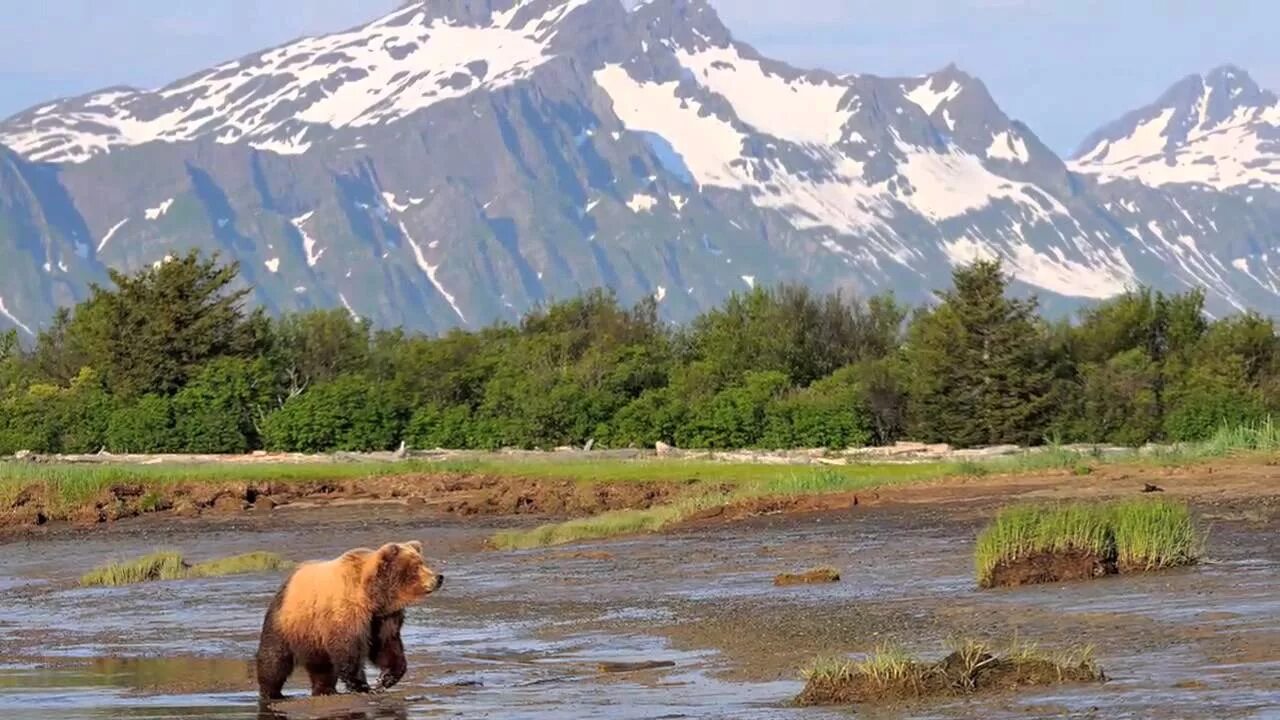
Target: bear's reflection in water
[(313, 713)]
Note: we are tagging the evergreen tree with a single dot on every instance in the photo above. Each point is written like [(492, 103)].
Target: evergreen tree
[(978, 364), (156, 328)]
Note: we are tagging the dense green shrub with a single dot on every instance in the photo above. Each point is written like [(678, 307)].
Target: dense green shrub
[(1120, 399), (435, 427), (143, 426), (1212, 395), (350, 413), (830, 413), (735, 417), (216, 412)]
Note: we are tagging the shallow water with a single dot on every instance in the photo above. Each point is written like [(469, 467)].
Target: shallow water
[(522, 635)]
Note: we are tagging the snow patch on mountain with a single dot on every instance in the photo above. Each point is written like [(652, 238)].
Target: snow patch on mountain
[(158, 211), (1069, 278), (347, 305), (642, 203), (929, 97), (21, 325), (430, 271), (308, 242), (111, 232), (1007, 145), (798, 109)]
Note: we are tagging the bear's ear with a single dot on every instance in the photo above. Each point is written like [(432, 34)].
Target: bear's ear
[(415, 545), (388, 552)]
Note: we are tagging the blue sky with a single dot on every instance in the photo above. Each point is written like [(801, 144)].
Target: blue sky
[(1062, 66)]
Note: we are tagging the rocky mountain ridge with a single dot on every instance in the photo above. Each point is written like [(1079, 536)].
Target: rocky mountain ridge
[(456, 162)]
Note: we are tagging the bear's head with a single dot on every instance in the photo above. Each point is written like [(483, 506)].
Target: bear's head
[(397, 576)]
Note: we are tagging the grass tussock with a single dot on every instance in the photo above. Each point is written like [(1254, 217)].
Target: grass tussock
[(1129, 535), (171, 565), (815, 576), (890, 674)]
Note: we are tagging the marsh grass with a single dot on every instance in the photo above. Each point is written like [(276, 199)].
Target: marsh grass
[(162, 565), (889, 673), (828, 669), (889, 665), (1144, 534), (171, 565), (60, 490), (777, 482), (607, 524), (251, 562), (1154, 534)]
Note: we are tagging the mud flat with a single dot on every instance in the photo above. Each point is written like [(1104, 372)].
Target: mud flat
[(691, 616)]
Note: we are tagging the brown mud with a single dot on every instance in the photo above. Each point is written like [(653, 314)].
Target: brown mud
[(1050, 567)]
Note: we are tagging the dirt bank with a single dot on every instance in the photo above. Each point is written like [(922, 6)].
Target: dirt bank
[(450, 494), (470, 495)]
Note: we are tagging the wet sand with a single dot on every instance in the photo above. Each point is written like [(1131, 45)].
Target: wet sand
[(687, 624)]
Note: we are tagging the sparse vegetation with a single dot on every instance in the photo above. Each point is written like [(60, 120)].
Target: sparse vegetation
[(1109, 537), (890, 674), (817, 575), (171, 565)]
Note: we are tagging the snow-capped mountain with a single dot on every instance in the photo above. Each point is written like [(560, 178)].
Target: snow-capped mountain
[(457, 161), (1218, 129)]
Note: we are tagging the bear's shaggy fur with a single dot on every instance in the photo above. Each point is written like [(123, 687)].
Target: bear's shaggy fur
[(331, 615)]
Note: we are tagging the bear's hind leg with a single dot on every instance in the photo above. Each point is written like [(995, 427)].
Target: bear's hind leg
[(275, 665)]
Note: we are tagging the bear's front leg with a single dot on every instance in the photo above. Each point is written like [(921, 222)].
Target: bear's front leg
[(352, 675), (348, 662), (386, 650)]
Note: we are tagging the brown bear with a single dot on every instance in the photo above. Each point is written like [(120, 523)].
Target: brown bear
[(329, 616)]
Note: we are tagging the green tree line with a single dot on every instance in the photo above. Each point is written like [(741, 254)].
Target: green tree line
[(170, 360)]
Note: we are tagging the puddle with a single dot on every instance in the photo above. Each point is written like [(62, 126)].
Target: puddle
[(550, 635)]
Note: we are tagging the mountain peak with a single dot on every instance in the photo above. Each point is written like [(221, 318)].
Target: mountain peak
[(286, 99), (1216, 129)]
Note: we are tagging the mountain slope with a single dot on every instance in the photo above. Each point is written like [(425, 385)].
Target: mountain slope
[(458, 161)]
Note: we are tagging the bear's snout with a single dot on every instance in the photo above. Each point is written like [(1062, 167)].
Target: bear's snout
[(438, 582)]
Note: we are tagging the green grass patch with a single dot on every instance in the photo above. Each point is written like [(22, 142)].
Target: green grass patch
[(1143, 534), (763, 481), (171, 565)]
